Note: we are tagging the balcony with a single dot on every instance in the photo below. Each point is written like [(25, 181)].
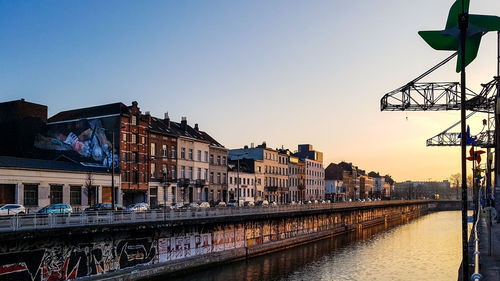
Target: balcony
[(301, 187), (201, 183), (183, 182), (271, 188)]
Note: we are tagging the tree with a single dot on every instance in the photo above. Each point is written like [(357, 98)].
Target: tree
[(455, 180), (89, 183)]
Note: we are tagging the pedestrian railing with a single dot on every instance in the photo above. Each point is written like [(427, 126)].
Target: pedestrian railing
[(476, 276), (45, 221)]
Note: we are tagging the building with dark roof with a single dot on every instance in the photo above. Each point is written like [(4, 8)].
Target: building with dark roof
[(36, 183)]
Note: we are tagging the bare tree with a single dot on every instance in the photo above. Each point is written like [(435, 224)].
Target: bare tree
[(89, 183)]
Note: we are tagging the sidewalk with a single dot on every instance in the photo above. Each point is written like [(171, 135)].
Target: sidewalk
[(489, 259)]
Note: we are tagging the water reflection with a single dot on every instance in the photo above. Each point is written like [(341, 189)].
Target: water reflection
[(424, 249)]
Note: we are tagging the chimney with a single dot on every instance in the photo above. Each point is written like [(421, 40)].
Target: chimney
[(148, 115), (167, 119), (184, 123), (264, 145), (245, 147), (196, 127), (252, 145)]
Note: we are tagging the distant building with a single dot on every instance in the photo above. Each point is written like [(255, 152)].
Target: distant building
[(424, 189), (249, 182), (314, 172), (275, 169)]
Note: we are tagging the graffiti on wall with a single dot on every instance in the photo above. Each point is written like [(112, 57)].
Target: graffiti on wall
[(54, 261), (69, 262)]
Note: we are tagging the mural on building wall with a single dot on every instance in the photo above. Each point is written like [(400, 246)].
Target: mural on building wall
[(86, 140)]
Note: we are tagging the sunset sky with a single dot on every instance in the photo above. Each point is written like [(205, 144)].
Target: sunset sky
[(284, 72)]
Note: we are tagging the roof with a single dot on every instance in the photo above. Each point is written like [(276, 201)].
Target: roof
[(158, 125), (30, 163), (94, 111)]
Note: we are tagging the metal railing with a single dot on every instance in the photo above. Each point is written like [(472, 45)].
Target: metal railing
[(476, 276), (47, 221)]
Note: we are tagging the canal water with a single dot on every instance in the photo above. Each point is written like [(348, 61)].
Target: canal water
[(427, 248)]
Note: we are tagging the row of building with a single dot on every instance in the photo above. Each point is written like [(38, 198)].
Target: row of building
[(82, 156)]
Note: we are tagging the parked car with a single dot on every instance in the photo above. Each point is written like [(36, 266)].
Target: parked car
[(221, 204), (56, 209), (232, 203), (12, 209), (193, 206), (263, 203), (138, 207), (204, 205), (103, 207), (249, 204), (273, 204)]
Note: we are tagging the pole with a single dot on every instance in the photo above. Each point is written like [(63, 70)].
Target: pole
[(113, 172), (463, 22), (238, 183), (497, 136)]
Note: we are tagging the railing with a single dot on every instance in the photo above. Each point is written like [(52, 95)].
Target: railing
[(476, 276), (47, 221)]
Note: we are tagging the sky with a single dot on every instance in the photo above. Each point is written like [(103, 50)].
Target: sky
[(284, 72)]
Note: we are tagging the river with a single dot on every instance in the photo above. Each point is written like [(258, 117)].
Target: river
[(427, 248)]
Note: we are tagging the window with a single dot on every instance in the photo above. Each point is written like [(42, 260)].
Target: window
[(174, 172), (56, 194), (211, 158), (190, 154), (165, 150), (183, 172), (224, 179), (206, 174), (190, 173), (135, 157), (125, 156), (30, 195), (125, 176), (143, 140), (174, 152), (183, 153), (153, 149), (75, 195), (134, 138), (199, 155), (164, 170), (134, 120), (224, 160), (218, 178), (143, 158), (211, 177), (230, 180), (199, 173), (218, 160), (153, 170), (124, 136), (206, 156), (135, 177)]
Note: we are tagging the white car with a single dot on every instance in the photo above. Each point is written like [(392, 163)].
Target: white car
[(138, 207), (12, 209), (204, 205)]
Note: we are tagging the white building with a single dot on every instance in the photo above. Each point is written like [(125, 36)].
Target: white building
[(37, 183)]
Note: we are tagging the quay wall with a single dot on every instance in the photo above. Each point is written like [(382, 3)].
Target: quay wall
[(139, 250)]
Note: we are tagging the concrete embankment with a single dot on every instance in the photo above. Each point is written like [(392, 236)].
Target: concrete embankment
[(134, 250), (213, 259)]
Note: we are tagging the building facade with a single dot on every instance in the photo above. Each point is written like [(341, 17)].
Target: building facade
[(36, 183), (314, 172)]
